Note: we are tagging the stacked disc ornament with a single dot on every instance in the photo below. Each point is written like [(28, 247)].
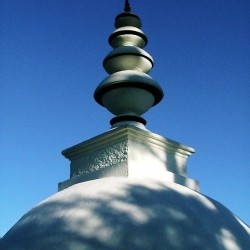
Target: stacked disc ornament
[(128, 92)]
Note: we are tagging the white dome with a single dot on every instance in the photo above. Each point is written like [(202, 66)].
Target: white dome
[(123, 213)]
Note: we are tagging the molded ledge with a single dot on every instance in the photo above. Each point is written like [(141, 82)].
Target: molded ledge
[(129, 151)]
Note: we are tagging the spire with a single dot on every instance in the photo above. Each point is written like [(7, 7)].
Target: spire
[(128, 149), (129, 91), (127, 6)]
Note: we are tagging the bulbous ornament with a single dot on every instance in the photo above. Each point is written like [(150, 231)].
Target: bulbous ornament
[(128, 92)]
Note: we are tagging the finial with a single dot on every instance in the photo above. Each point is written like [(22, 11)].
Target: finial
[(127, 6), (128, 92)]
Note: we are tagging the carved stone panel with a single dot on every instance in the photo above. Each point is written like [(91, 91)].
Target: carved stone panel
[(100, 159)]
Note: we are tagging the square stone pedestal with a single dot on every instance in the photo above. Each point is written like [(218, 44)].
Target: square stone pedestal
[(128, 151)]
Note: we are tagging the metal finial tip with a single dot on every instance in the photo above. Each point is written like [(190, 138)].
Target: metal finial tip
[(127, 6)]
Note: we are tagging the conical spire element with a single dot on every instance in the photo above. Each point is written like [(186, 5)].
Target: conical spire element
[(129, 91)]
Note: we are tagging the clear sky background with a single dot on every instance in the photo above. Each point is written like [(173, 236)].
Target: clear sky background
[(51, 62)]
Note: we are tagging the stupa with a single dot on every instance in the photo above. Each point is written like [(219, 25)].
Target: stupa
[(128, 187)]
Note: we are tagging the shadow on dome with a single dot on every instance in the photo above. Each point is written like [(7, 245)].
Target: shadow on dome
[(120, 213)]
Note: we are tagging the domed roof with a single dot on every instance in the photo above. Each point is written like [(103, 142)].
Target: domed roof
[(128, 213)]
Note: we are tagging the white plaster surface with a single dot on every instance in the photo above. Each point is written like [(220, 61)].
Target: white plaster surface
[(132, 152), (122, 213)]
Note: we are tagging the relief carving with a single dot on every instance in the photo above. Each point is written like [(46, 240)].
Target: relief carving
[(99, 159)]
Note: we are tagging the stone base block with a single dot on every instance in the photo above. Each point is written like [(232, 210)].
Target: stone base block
[(128, 151)]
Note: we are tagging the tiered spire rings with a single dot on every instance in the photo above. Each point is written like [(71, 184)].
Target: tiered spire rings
[(128, 92)]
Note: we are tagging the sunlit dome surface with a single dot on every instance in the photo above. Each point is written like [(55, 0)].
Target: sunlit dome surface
[(123, 213)]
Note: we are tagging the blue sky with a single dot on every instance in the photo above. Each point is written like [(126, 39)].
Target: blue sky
[(51, 62)]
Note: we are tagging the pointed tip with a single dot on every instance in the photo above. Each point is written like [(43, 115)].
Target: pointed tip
[(127, 6)]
